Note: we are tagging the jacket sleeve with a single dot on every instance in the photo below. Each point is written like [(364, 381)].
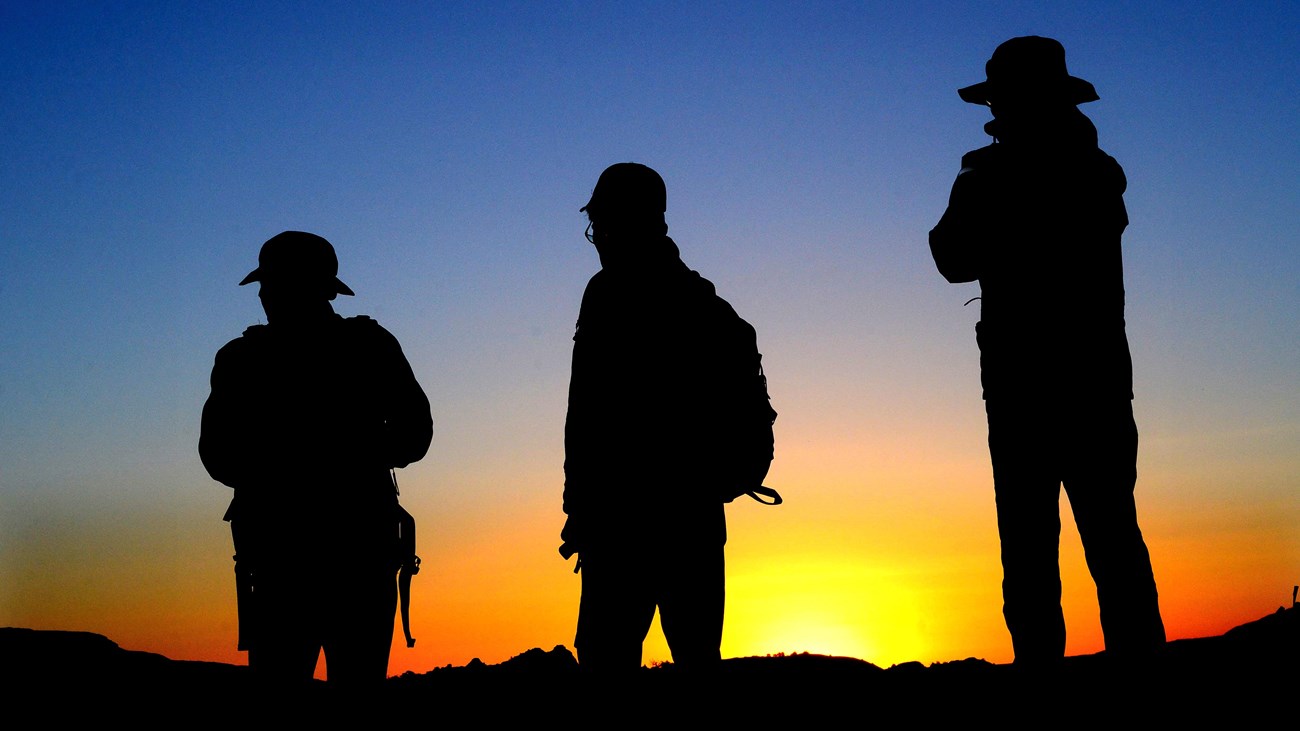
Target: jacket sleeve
[(577, 421), (956, 242), (408, 423), (225, 445)]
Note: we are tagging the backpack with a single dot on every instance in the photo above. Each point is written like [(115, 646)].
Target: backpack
[(751, 443), (760, 441)]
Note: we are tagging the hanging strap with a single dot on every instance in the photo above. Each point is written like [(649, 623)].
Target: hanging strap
[(410, 567), (409, 563), (773, 497)]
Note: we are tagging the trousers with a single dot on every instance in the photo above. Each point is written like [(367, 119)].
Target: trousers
[(623, 585), (347, 611), (1090, 447)]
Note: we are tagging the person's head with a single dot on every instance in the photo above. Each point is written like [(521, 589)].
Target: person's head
[(1027, 78), (298, 272), (626, 206)]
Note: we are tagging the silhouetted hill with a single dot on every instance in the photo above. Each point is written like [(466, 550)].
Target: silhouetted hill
[(1247, 673)]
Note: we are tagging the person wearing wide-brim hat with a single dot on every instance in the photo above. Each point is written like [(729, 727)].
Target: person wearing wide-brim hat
[(1036, 218), (307, 417), (1031, 68)]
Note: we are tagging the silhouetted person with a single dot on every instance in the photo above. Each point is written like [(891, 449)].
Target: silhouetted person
[(1036, 217), (308, 414), (664, 372)]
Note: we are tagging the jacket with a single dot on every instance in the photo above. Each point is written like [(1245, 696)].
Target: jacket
[(650, 435), (305, 424), (1037, 218)]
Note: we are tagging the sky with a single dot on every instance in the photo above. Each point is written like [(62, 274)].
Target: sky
[(147, 149)]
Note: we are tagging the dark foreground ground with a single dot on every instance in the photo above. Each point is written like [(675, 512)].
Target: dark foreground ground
[(1246, 678)]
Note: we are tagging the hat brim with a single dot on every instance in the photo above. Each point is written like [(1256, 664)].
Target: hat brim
[(339, 286), (1076, 91)]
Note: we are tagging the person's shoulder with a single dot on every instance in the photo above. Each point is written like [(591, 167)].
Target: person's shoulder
[(600, 289), (981, 157), (599, 283), (253, 337), (705, 289), (720, 307), (363, 323), (369, 331), (240, 357)]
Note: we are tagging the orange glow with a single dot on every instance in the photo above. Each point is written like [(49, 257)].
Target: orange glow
[(897, 566)]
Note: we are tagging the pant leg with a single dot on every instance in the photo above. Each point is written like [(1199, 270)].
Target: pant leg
[(616, 609), (691, 605), (358, 631), (286, 639), (1100, 479), (1027, 487)]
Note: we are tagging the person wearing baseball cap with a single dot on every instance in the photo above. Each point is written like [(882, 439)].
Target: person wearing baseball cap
[(668, 420), (1036, 218)]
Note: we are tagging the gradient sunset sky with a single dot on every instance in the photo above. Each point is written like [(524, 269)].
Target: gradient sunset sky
[(147, 149)]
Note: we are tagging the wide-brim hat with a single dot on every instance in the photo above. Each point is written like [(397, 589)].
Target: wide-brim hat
[(298, 256), (1029, 69)]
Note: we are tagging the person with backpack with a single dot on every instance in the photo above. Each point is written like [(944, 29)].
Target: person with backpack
[(668, 419), (307, 418), (1036, 217)]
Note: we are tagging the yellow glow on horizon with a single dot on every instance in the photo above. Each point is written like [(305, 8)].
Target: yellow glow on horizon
[(817, 632), (824, 606)]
